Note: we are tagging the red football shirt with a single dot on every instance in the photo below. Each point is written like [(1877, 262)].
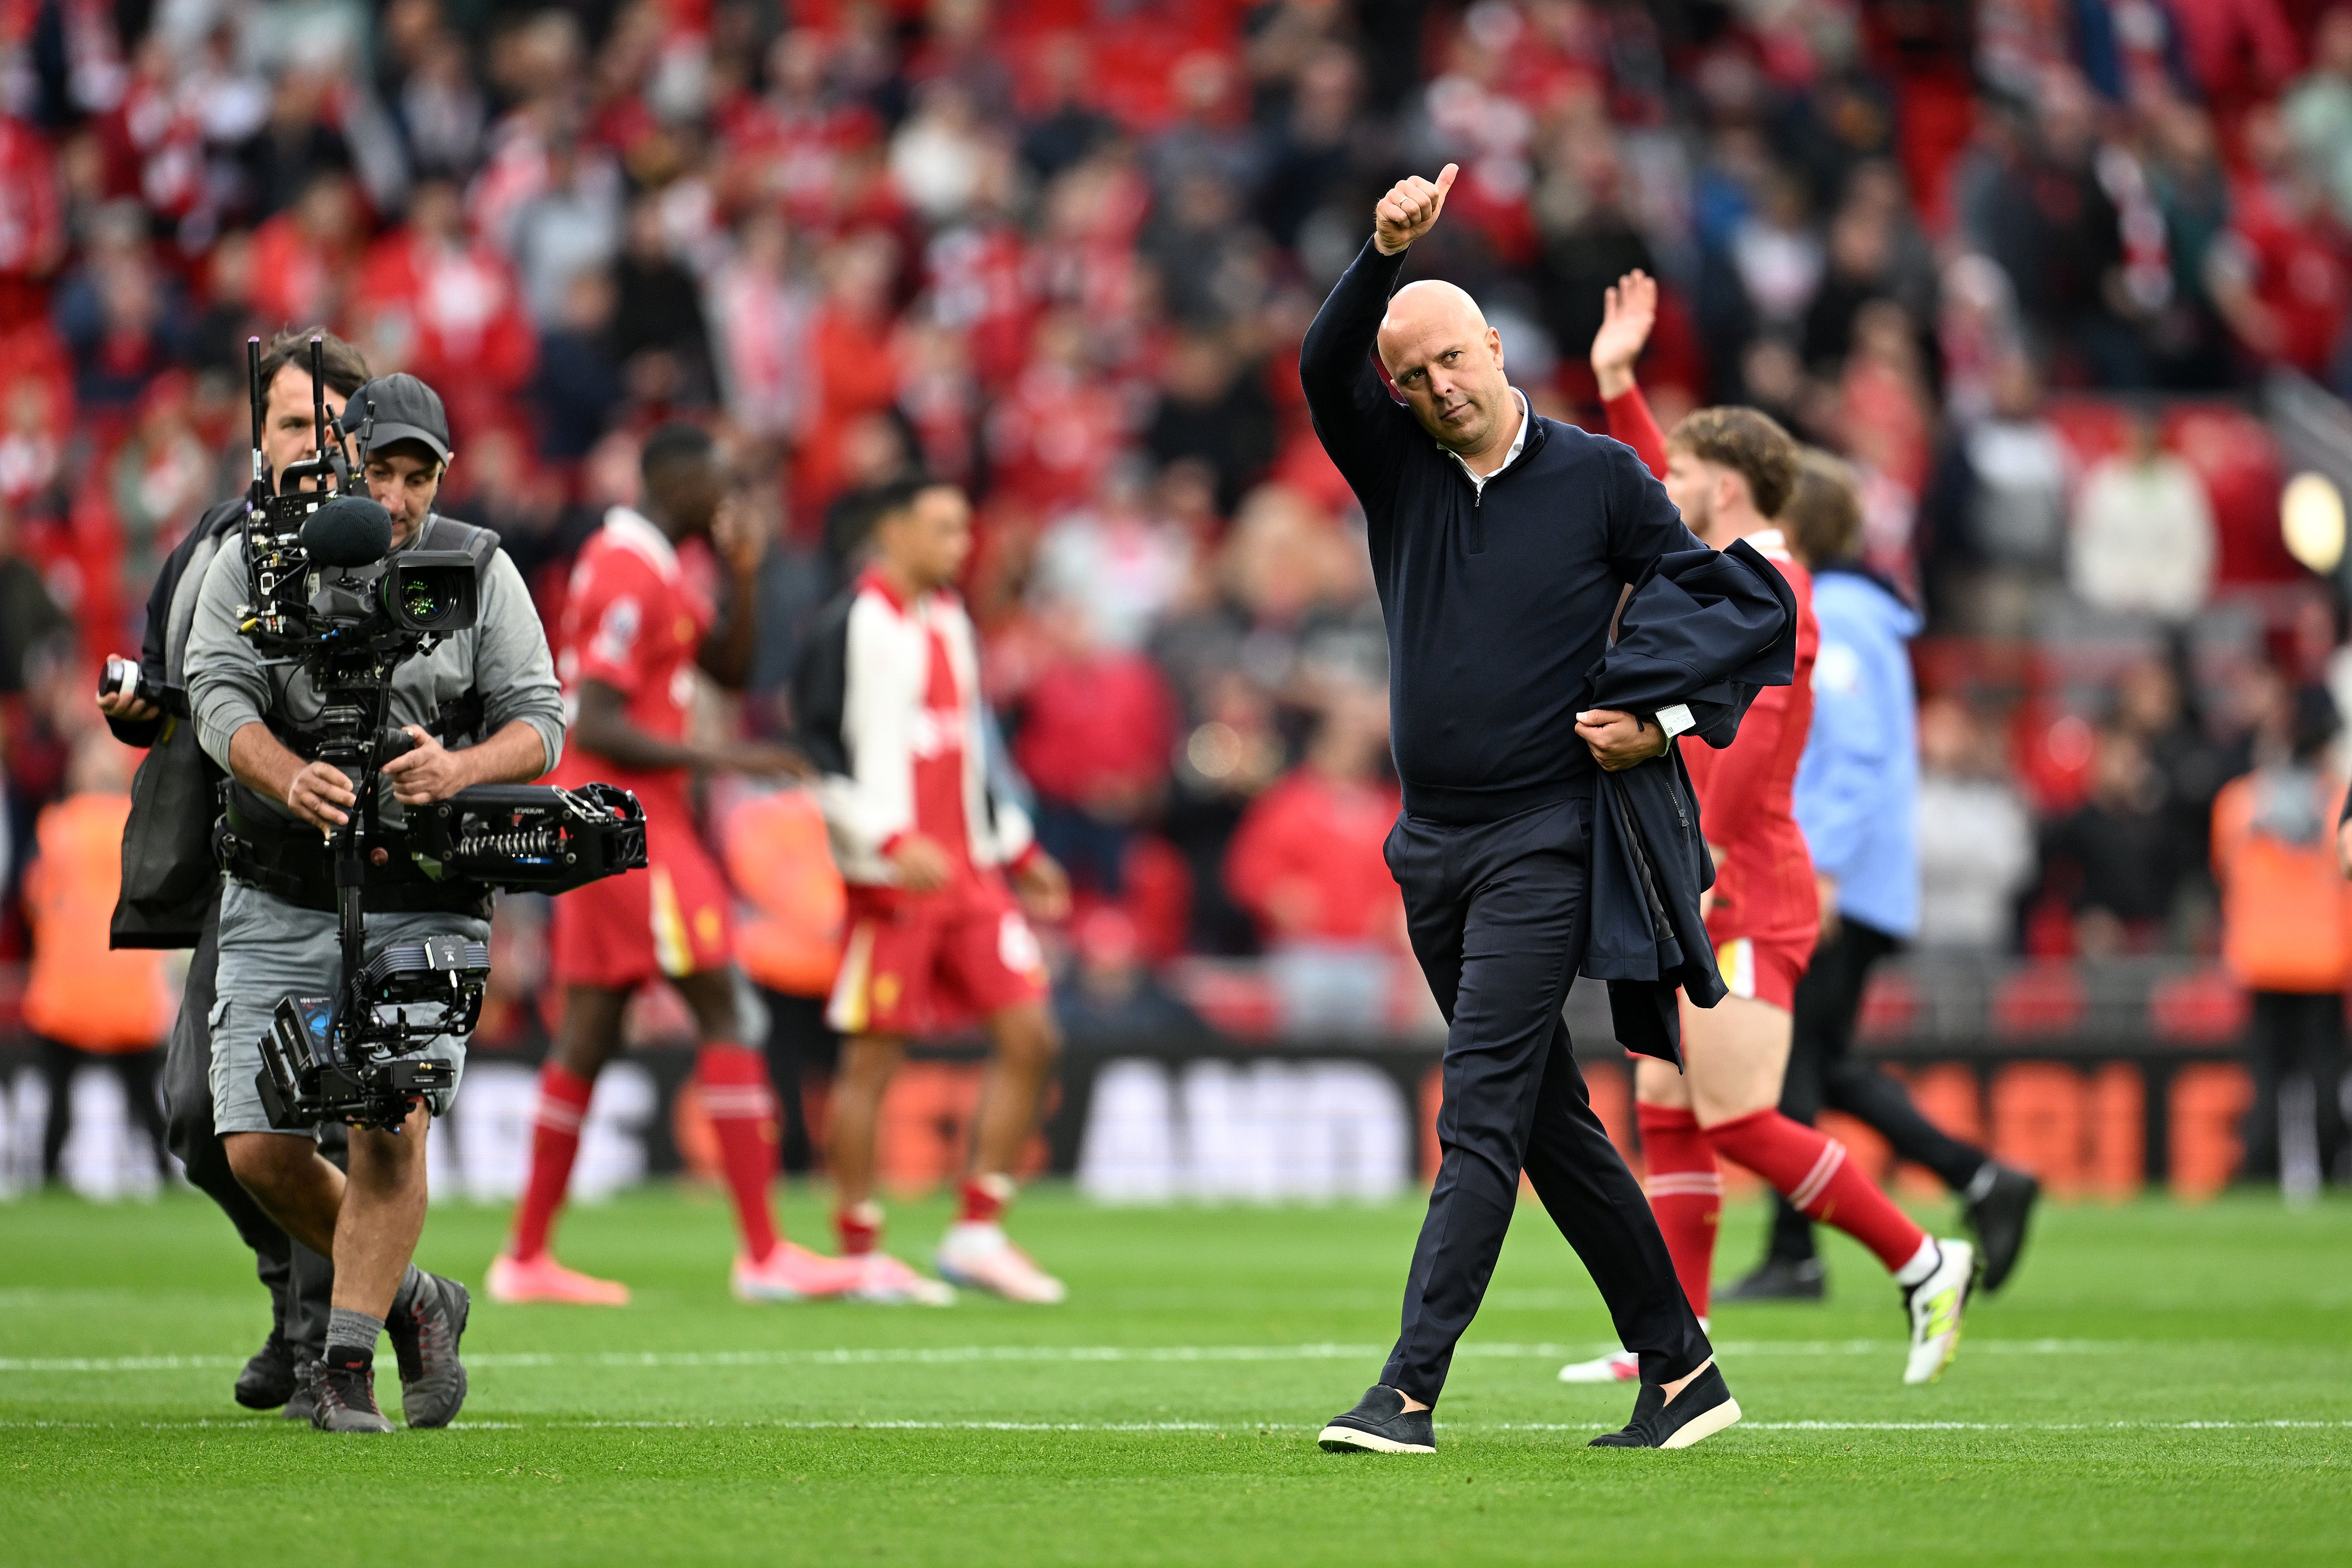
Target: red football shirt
[(632, 621), (1764, 884), (940, 759)]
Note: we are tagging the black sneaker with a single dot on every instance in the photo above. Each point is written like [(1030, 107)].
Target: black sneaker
[(268, 1380), (1779, 1280), (1703, 1408), (425, 1338), (345, 1392), (2000, 1218), (1379, 1424), (302, 1404)]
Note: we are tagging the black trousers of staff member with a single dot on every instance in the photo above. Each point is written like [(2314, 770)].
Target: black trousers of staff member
[(1826, 1074), (1496, 912), (136, 1069), (300, 1282)]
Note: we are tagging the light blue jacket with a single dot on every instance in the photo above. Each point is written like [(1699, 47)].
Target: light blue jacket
[(1858, 785)]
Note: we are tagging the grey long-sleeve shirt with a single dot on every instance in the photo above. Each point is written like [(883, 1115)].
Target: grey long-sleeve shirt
[(504, 657)]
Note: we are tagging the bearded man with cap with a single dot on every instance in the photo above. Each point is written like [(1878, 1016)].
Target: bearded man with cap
[(172, 885), (483, 707)]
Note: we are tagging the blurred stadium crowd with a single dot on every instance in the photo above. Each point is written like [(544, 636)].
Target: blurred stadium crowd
[(2024, 262)]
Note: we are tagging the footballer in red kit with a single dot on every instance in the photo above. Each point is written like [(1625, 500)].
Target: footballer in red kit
[(920, 963), (941, 866), (1764, 911), (635, 632), (634, 623), (1729, 470)]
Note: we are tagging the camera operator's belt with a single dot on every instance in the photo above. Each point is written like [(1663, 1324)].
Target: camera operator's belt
[(286, 860)]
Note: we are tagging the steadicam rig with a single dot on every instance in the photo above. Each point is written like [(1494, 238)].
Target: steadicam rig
[(358, 1057), (338, 610), (533, 838)]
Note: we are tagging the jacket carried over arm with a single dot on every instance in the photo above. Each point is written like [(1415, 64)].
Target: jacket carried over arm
[(1705, 629)]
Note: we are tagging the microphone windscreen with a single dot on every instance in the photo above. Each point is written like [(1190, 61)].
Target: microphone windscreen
[(349, 530)]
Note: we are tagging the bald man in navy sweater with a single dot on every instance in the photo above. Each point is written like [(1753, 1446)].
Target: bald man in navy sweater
[(1501, 543)]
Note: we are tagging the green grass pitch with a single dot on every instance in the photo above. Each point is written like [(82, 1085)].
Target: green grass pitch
[(2159, 1384)]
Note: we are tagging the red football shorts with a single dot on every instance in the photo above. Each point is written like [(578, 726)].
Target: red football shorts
[(670, 918), (921, 966), (1764, 969)]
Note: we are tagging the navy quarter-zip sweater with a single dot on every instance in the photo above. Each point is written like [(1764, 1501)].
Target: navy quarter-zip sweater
[(1496, 604)]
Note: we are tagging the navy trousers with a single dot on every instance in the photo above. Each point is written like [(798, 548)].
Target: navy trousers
[(1497, 919)]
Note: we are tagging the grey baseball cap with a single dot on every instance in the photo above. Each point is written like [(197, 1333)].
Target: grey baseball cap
[(403, 409)]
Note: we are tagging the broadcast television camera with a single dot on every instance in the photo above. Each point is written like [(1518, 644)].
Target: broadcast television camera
[(332, 597)]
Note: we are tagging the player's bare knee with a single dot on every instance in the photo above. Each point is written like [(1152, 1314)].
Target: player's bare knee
[(867, 1061), (1657, 1083), (709, 995), (1028, 1037), (584, 1058)]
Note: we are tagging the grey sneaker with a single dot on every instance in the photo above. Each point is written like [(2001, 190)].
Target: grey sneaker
[(346, 1397), (425, 1338)]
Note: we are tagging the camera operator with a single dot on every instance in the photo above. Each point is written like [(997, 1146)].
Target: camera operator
[(279, 940), (171, 895)]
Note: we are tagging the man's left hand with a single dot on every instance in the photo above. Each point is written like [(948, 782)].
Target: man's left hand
[(1043, 887), (1618, 739), (430, 772)]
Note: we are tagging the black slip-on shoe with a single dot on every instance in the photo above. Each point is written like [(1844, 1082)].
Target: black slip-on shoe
[(1703, 1408), (1999, 1219), (1779, 1280), (268, 1380), (425, 1341), (1379, 1424)]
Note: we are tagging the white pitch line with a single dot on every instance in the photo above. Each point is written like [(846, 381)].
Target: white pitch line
[(908, 1356), (265, 1424)]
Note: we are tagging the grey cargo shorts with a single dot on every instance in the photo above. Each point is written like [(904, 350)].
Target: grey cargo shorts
[(270, 949)]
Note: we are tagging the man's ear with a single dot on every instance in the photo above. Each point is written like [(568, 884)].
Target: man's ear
[(1495, 346), (1731, 488)]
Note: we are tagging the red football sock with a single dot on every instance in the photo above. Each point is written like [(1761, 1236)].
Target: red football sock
[(984, 1198), (1685, 1193), (742, 1112), (1812, 1171), (554, 1140), (859, 1226)]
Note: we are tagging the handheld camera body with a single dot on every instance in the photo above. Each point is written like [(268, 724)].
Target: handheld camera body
[(332, 599)]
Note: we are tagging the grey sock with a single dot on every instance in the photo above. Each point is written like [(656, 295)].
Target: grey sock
[(405, 1296), (350, 1328)]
